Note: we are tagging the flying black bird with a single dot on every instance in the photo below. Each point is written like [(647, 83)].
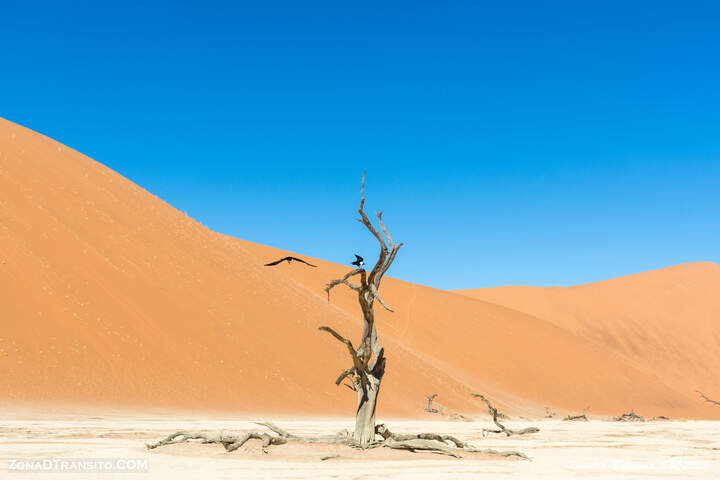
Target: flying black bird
[(289, 260), (358, 261)]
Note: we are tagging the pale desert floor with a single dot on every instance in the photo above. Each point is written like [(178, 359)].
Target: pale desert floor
[(596, 450)]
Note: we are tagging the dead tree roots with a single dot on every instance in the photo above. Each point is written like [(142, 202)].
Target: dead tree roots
[(421, 442)]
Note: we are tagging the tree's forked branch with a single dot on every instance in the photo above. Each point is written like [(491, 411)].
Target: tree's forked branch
[(344, 280), (368, 224), (387, 234), (345, 373)]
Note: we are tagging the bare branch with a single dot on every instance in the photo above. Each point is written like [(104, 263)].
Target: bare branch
[(276, 429), (503, 429), (376, 294), (368, 224), (418, 444), (231, 443), (385, 231), (344, 374), (710, 400), (331, 284), (353, 353), (389, 262)]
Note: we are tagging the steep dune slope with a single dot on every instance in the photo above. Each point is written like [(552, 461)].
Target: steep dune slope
[(664, 322), (112, 297), (109, 295)]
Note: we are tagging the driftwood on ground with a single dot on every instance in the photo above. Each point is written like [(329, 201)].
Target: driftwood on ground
[(502, 428), (629, 417), (576, 418)]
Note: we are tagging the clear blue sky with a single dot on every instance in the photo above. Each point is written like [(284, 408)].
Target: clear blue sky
[(541, 143)]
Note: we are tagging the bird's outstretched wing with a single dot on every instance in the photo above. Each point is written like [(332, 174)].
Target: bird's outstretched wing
[(277, 261), (358, 258), (289, 259), (303, 261)]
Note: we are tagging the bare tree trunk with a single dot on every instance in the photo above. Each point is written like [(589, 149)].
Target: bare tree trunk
[(369, 358), (430, 399), (365, 416)]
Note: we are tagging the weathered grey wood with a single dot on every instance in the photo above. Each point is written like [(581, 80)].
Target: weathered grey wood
[(576, 418), (385, 432), (368, 359), (502, 428), (428, 442), (629, 417), (430, 399)]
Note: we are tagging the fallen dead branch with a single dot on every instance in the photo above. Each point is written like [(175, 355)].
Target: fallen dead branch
[(659, 418), (576, 418), (502, 428), (629, 417), (425, 442), (436, 443)]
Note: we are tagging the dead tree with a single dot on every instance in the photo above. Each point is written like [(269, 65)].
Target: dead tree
[(709, 400), (368, 360), (429, 407), (502, 428), (365, 375)]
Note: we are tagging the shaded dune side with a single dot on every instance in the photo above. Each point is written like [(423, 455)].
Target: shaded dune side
[(662, 322)]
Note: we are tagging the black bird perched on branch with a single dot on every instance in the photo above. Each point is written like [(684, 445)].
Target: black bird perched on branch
[(289, 260), (358, 261)]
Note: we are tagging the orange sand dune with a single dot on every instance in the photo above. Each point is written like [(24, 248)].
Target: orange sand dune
[(112, 297), (663, 322)]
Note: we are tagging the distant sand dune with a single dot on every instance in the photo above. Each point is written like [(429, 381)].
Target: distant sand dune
[(665, 323), (112, 297)]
